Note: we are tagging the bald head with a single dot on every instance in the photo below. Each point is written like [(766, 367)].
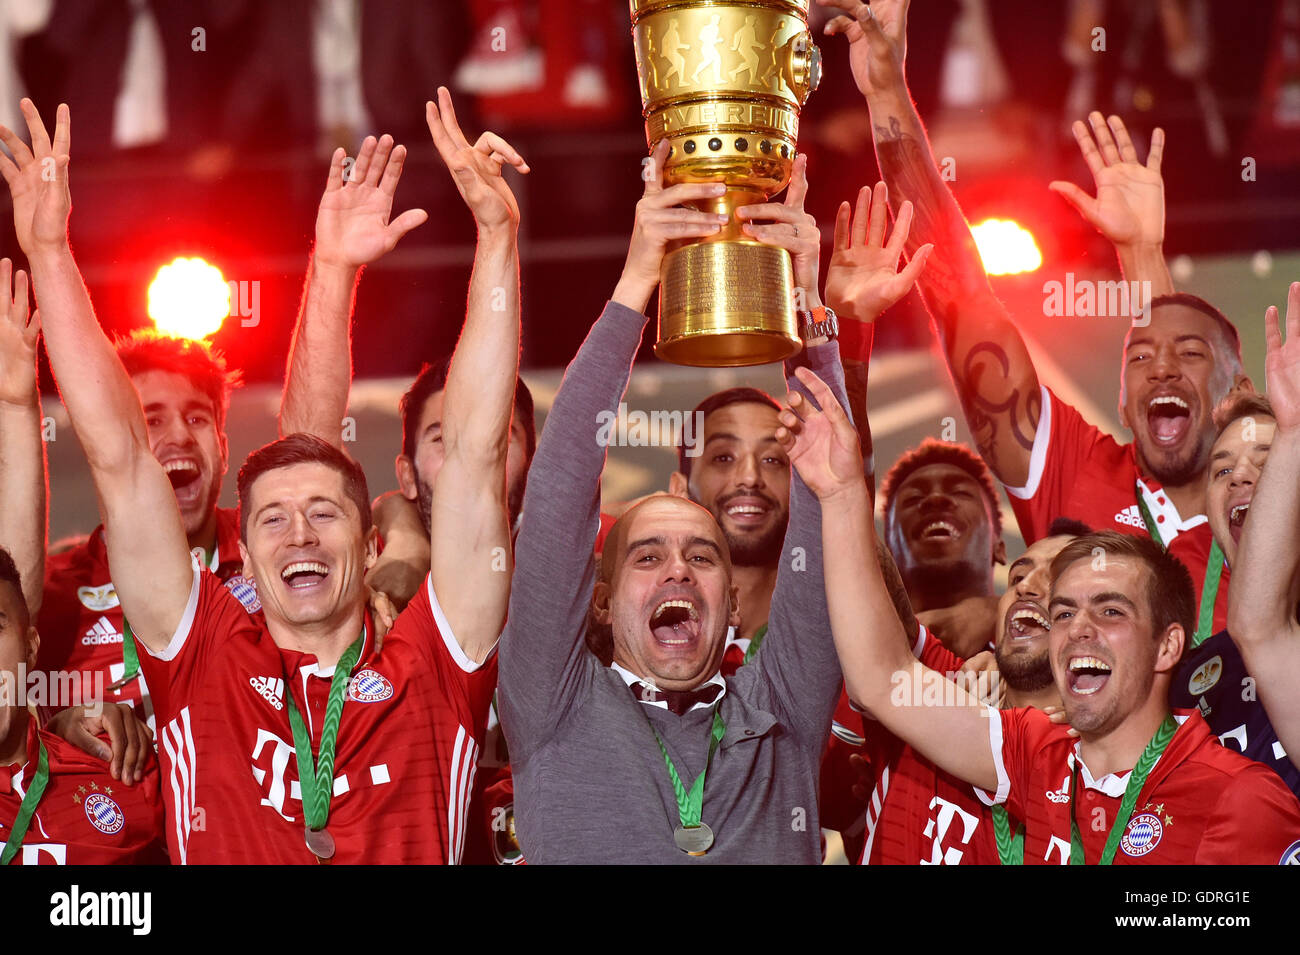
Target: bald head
[(638, 522), (665, 592)]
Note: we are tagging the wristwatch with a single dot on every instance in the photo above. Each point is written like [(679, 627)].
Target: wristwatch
[(818, 323)]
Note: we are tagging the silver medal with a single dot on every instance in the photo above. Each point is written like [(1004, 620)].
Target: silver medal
[(321, 843), (693, 840)]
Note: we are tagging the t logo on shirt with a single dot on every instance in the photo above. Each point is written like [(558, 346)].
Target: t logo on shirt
[(938, 826)]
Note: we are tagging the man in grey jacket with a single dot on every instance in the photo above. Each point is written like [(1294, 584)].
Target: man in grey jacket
[(658, 759)]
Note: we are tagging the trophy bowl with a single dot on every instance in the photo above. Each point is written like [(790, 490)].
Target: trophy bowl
[(723, 82)]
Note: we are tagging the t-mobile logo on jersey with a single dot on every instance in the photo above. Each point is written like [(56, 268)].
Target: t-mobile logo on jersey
[(270, 767), (937, 829)]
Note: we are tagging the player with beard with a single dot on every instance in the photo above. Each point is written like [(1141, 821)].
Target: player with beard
[(920, 814), (943, 527), (1120, 608), (1175, 367), (1257, 533), (742, 477)]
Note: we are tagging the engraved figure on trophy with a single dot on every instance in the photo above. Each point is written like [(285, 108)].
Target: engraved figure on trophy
[(710, 40), (773, 72), (748, 45), (671, 50), (651, 82)]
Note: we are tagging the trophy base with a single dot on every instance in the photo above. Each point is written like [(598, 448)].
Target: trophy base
[(725, 304)]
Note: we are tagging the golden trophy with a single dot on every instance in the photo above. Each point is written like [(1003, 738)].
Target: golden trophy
[(723, 81)]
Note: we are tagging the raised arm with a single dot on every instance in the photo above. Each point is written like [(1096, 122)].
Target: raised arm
[(1129, 208), (990, 365), (1265, 590), (352, 231), (872, 648), (22, 453), (543, 649), (470, 533), (148, 556)]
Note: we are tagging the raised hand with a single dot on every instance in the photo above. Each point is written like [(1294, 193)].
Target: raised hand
[(352, 227), (38, 179), (476, 169), (822, 444), (877, 41), (863, 279), (1282, 364), (660, 220), (792, 229), (17, 340), (1129, 208)]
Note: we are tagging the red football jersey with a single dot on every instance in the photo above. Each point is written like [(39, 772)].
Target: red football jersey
[(1202, 804), (408, 740), (85, 817), (1077, 471), (81, 623), (918, 814)]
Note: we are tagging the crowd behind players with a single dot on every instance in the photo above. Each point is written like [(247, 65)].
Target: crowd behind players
[(492, 664)]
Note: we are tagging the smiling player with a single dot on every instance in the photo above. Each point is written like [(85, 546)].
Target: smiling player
[(1177, 362), (291, 725)]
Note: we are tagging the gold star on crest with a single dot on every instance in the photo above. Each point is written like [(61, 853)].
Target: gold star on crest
[(76, 798), (81, 789), (1160, 809), (108, 790), (94, 785), (1169, 820)]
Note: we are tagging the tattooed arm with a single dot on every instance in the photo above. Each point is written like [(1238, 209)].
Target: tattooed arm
[(990, 365)]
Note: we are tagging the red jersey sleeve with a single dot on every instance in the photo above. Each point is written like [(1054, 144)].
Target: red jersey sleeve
[(1255, 822), (212, 616), (1063, 443), (1016, 737), (471, 684)]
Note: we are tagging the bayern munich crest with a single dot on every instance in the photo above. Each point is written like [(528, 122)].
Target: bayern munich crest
[(369, 686), (1142, 835), (104, 814), (244, 591)]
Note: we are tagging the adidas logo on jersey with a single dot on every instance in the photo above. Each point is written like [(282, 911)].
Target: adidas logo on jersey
[(1131, 516), (101, 632), (269, 688)]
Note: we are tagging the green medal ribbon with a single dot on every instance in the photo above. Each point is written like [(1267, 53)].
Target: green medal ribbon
[(317, 777), (1213, 573), (1209, 594), (28, 807), (689, 803), (1011, 849), (755, 642), (1137, 779)]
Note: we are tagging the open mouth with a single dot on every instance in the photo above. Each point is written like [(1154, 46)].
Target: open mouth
[(939, 531), (1087, 675), (304, 574), (1237, 520), (184, 474), (675, 623), (1027, 622), (1168, 419)]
